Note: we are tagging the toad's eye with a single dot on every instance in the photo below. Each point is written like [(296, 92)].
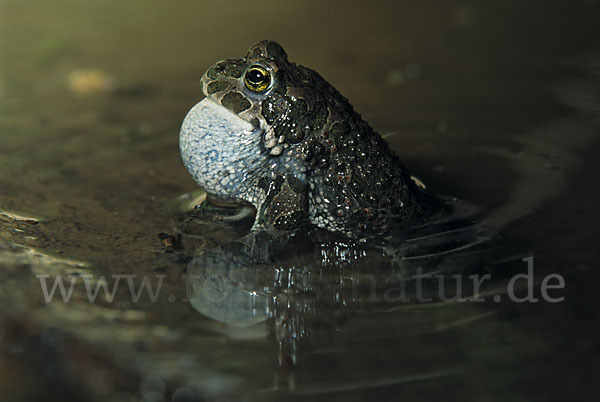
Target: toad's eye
[(257, 79)]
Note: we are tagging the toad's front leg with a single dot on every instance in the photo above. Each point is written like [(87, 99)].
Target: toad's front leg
[(284, 207)]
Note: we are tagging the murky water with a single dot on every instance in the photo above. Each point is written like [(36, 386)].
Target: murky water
[(493, 103)]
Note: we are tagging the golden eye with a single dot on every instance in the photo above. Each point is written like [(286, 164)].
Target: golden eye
[(257, 79)]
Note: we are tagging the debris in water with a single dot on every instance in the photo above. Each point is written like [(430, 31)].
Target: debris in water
[(87, 82)]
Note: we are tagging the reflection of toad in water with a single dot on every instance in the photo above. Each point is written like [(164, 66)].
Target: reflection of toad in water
[(315, 285)]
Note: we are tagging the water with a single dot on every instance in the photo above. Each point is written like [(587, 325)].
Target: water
[(494, 104)]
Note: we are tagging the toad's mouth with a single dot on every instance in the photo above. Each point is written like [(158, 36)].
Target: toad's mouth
[(213, 111)]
